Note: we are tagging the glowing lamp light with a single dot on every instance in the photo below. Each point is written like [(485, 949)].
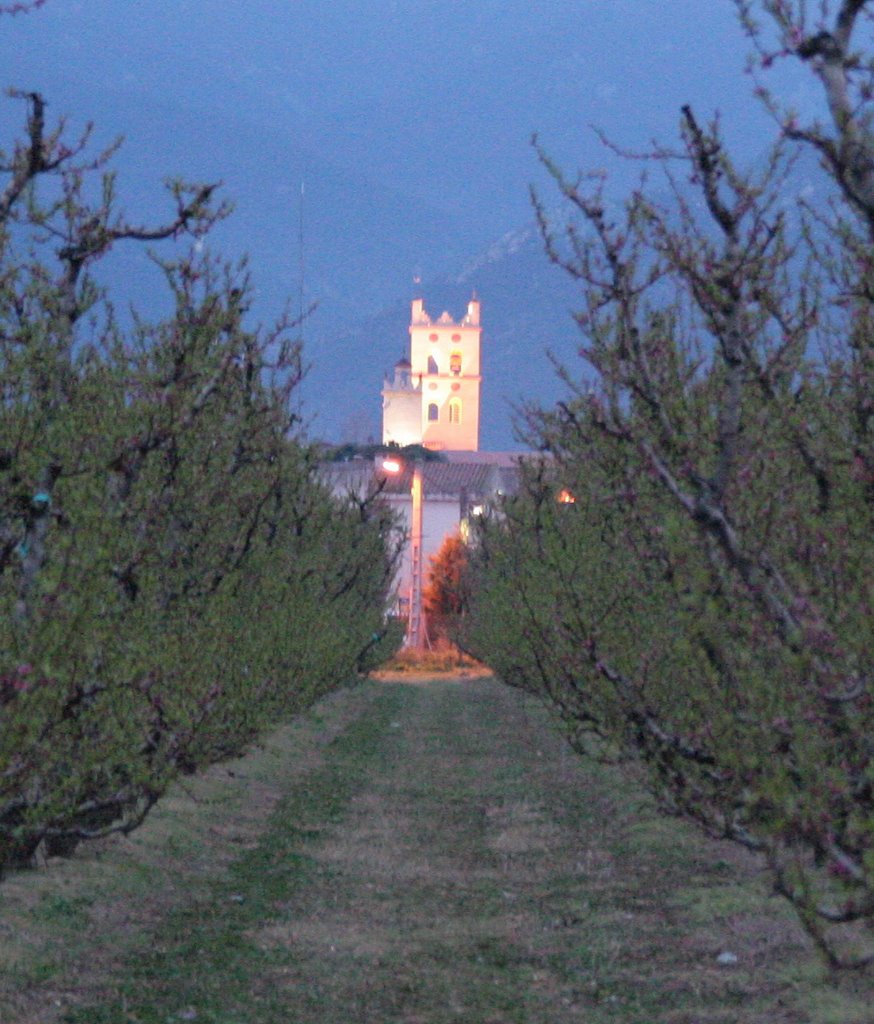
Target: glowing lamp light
[(391, 465), (565, 497)]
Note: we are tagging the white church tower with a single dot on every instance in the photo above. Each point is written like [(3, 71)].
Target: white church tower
[(434, 397)]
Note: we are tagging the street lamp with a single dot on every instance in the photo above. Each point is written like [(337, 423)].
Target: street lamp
[(416, 630)]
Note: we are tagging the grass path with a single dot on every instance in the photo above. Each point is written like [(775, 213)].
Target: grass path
[(420, 854)]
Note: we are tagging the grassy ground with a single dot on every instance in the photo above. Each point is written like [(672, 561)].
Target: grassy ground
[(409, 853)]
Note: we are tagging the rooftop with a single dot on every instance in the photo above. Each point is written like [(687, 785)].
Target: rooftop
[(470, 474)]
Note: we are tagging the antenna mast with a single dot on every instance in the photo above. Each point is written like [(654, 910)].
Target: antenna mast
[(301, 262)]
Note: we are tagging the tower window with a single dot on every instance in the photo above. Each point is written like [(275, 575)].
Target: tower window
[(433, 412), (455, 362), (455, 410), (432, 365), (433, 337), (456, 337)]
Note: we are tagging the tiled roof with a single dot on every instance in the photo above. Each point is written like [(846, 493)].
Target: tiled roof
[(490, 458), (439, 479)]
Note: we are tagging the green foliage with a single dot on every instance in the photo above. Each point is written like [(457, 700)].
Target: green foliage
[(705, 605), (173, 577), (408, 453)]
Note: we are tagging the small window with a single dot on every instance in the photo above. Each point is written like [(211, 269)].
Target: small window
[(433, 337), (455, 410), (432, 365), (433, 412), (455, 363)]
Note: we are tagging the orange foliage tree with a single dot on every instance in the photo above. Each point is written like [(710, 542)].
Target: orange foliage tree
[(443, 598)]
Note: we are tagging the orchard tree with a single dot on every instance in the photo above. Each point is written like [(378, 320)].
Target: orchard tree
[(21, 8), (706, 603), (173, 577)]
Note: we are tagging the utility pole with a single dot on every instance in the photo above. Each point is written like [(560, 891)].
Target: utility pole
[(415, 633), (301, 260), (417, 627)]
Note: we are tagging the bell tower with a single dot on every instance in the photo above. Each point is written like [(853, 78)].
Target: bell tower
[(445, 358), (434, 397)]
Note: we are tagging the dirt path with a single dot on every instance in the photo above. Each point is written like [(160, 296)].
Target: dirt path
[(483, 874), (446, 891), (448, 859)]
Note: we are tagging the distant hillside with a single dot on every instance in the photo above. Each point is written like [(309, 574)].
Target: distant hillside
[(526, 310), (351, 268), (364, 239), (527, 313)]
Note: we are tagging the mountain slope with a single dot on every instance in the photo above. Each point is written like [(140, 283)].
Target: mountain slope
[(526, 310)]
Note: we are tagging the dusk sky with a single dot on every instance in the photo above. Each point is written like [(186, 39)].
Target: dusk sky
[(408, 120)]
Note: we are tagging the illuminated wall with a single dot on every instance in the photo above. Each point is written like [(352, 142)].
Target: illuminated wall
[(443, 385)]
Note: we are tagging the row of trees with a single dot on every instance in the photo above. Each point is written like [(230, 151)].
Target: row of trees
[(173, 577), (702, 600)]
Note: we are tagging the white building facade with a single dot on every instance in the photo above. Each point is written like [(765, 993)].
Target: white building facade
[(433, 398)]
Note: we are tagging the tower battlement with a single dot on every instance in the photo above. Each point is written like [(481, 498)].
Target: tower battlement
[(419, 315)]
